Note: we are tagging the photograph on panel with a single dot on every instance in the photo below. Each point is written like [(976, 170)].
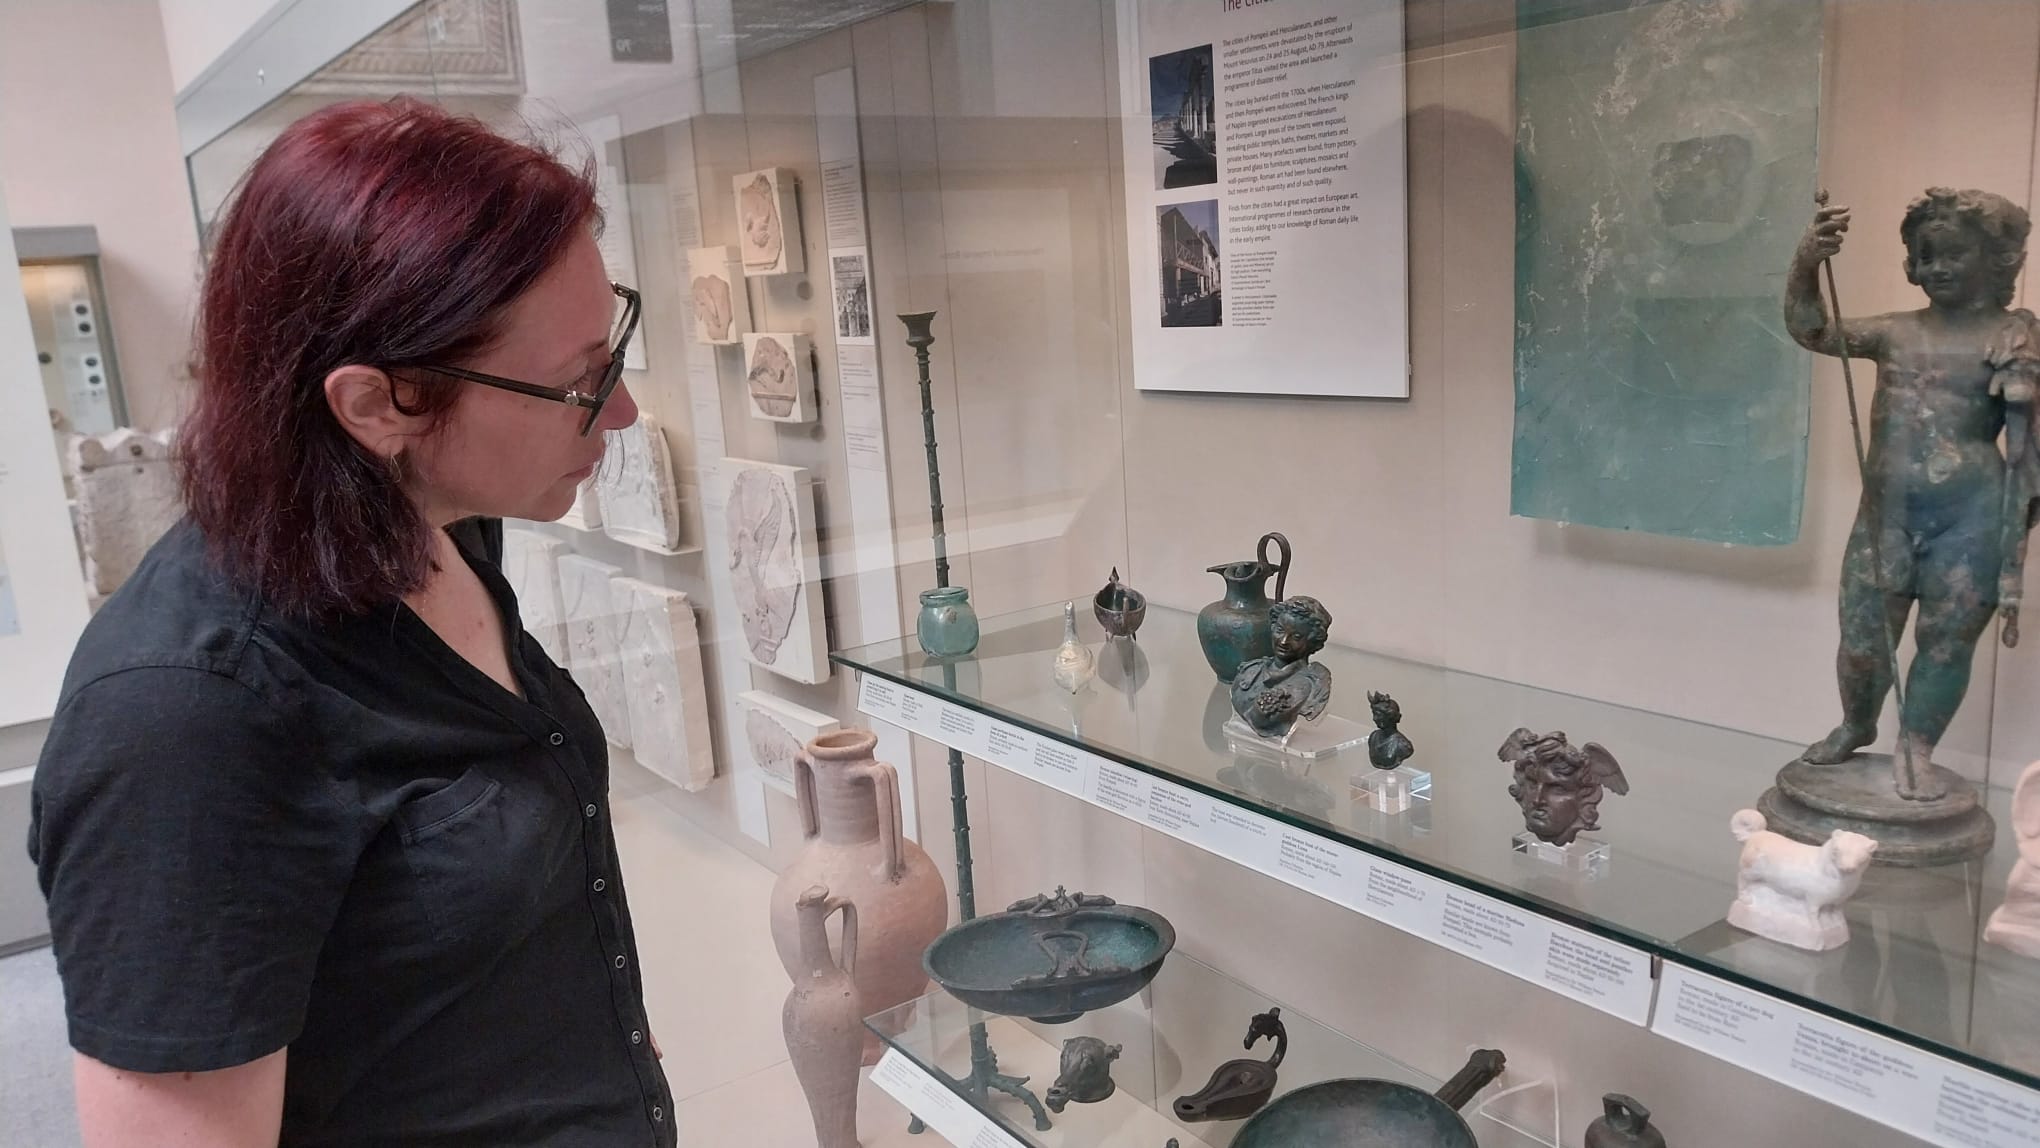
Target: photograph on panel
[(1185, 128), (853, 295), (1188, 234)]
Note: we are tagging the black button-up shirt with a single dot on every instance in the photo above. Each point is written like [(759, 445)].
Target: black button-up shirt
[(345, 839)]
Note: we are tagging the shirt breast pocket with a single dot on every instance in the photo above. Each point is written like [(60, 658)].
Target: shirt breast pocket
[(489, 857)]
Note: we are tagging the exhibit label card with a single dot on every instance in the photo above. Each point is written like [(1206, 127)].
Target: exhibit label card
[(944, 1111), (1267, 226), (1930, 1097), (1123, 791), (878, 697)]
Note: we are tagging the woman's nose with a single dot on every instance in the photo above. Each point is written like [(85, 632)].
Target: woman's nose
[(619, 412)]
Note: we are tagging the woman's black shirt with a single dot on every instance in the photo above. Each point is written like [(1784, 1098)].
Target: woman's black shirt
[(344, 838)]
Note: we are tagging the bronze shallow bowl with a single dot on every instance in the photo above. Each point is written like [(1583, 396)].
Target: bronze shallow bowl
[(1051, 958)]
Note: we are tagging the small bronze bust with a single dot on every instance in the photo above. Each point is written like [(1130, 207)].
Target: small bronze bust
[(1272, 694), (1560, 785), (1387, 747)]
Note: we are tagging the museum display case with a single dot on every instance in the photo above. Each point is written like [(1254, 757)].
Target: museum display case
[(1597, 667)]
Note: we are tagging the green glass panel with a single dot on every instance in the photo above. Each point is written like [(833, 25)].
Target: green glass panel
[(1664, 170)]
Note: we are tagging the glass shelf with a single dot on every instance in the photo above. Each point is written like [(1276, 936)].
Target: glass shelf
[(1915, 968), (1191, 1019)]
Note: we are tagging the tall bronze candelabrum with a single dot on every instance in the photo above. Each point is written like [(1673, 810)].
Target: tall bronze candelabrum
[(921, 336), (948, 629), (946, 626)]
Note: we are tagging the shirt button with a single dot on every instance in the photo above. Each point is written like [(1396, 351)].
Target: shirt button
[(599, 885), (558, 738), (637, 1036), (588, 810), (619, 960)]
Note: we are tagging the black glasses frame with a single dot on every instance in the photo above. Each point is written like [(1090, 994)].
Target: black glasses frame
[(593, 401)]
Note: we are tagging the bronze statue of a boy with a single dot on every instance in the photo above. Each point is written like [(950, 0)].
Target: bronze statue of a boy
[(1943, 519)]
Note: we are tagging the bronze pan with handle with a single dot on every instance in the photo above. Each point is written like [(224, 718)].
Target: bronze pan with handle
[(1361, 1113)]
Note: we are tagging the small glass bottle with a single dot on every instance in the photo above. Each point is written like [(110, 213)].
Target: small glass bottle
[(947, 626)]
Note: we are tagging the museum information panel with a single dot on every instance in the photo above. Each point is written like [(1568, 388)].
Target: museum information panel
[(1265, 197)]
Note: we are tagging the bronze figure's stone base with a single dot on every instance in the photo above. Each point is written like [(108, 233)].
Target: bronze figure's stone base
[(1811, 801)]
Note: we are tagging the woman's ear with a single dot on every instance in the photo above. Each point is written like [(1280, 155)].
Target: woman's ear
[(364, 403)]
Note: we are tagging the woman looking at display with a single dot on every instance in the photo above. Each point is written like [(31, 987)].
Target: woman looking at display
[(325, 835)]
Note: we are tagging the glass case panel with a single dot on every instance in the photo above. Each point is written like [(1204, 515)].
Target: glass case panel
[(1481, 303)]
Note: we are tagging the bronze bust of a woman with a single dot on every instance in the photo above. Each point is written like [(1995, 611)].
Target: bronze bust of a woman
[(1272, 694)]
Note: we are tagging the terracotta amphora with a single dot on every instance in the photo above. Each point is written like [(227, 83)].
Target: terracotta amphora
[(823, 1021), (850, 813)]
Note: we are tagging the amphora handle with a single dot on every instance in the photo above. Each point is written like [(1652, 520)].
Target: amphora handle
[(885, 786)]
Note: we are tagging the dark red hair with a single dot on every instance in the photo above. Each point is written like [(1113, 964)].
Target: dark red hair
[(387, 234)]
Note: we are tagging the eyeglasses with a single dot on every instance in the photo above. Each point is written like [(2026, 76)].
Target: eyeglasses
[(625, 328)]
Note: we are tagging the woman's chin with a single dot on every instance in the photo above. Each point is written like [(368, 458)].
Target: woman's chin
[(552, 505)]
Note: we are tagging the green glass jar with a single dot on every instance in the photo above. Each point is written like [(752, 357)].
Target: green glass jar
[(947, 626)]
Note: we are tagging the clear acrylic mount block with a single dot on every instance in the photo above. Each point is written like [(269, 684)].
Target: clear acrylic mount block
[(1585, 855), (1391, 790), (1306, 741)]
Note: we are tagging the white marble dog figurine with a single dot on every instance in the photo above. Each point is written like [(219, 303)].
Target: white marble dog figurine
[(1793, 893), (2015, 925)]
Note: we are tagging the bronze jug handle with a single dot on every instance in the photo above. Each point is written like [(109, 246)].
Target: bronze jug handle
[(1624, 1113), (1280, 571), (804, 794)]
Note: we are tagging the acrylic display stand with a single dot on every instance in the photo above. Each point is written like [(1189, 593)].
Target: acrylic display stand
[(1585, 855), (1529, 1109), (1306, 741), (1391, 790)]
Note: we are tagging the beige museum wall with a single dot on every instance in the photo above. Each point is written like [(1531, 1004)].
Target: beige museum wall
[(89, 130)]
